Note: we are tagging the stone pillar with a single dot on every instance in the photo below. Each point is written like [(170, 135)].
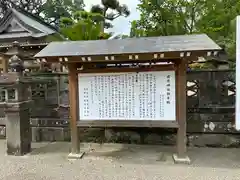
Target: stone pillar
[(18, 131), (17, 108)]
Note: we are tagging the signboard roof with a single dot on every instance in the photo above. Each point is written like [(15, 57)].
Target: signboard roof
[(146, 45)]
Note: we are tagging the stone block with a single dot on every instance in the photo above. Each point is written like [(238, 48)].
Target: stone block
[(18, 131), (92, 135), (181, 160), (161, 139), (122, 136), (55, 134), (110, 135), (214, 140), (73, 156), (36, 134)]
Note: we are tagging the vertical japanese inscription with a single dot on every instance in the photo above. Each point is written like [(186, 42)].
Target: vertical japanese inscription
[(127, 96), (168, 90), (86, 101)]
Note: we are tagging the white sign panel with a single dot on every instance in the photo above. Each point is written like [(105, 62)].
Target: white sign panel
[(127, 96), (237, 113)]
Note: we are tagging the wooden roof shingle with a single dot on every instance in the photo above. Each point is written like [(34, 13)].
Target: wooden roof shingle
[(183, 43)]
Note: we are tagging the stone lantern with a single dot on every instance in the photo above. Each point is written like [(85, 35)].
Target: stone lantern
[(16, 101)]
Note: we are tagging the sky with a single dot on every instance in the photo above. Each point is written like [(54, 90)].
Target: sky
[(121, 24)]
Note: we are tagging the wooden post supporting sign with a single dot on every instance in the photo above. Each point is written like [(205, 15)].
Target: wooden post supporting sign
[(180, 156), (73, 101)]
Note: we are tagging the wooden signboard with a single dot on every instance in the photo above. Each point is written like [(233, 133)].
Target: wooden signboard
[(135, 96)]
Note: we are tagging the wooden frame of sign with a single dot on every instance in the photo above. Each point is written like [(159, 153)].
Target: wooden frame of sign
[(137, 61)]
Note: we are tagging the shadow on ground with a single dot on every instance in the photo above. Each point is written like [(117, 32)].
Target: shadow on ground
[(145, 154), (50, 148), (139, 154)]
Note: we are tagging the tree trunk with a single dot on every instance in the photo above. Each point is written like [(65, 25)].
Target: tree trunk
[(103, 22)]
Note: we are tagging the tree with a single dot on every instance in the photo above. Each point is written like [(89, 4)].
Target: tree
[(31, 6), (83, 26), (173, 17), (50, 10), (220, 24), (54, 10), (116, 8), (136, 30), (3, 7), (168, 17)]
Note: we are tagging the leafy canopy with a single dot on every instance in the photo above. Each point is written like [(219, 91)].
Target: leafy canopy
[(216, 18), (83, 26)]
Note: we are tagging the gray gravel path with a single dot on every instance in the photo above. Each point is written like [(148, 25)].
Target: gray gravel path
[(119, 162)]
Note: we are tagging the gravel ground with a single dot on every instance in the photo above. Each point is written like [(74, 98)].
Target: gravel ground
[(118, 162)]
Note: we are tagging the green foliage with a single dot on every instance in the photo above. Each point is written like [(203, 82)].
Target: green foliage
[(216, 18), (77, 24), (136, 30), (50, 10), (54, 10), (83, 26), (167, 17), (116, 8), (55, 37), (124, 36)]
